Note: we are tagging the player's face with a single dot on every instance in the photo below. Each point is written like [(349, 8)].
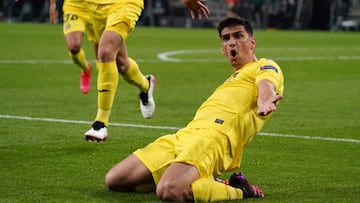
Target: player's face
[(237, 45)]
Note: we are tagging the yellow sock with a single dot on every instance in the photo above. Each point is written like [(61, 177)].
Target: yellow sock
[(80, 60), (107, 82), (134, 76), (208, 190)]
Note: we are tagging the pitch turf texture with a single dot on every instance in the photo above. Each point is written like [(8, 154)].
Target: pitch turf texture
[(308, 151)]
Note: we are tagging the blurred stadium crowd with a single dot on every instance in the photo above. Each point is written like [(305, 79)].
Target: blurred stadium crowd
[(276, 14)]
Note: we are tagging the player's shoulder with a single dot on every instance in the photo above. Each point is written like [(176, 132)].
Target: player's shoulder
[(267, 61), (266, 64)]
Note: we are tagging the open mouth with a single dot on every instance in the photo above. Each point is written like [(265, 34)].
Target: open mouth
[(233, 53)]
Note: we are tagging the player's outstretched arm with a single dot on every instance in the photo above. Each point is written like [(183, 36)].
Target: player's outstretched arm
[(197, 8), (267, 98)]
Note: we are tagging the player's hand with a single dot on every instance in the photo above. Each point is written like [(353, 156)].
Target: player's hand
[(53, 14), (197, 8), (268, 106)]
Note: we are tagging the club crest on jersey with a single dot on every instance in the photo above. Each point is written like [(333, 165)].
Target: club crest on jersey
[(231, 78), (67, 26), (269, 67)]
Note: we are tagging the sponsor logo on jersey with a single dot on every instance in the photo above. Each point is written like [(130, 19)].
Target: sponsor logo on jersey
[(219, 121)]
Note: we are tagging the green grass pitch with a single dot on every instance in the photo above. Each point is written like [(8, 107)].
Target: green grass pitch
[(308, 152)]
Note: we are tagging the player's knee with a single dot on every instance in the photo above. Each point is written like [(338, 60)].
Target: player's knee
[(170, 191), (165, 192), (106, 54), (74, 48), (109, 180), (112, 181)]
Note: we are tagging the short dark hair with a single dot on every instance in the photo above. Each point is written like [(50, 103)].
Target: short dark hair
[(234, 21)]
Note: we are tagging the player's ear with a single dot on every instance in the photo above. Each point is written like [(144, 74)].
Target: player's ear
[(223, 50), (253, 42)]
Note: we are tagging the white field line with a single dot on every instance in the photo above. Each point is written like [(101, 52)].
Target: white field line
[(172, 128), (171, 56)]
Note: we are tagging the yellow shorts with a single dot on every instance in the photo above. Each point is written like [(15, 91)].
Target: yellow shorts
[(76, 18), (208, 150), (120, 17)]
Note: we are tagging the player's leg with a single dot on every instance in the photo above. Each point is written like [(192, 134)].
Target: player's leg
[(111, 38), (145, 167), (130, 71), (107, 83), (74, 28), (130, 175), (182, 183), (95, 48), (77, 54), (127, 67), (201, 154), (208, 190), (175, 183)]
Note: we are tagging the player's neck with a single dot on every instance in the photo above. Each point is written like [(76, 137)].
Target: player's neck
[(253, 59)]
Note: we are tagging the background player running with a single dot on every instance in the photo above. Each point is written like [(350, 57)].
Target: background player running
[(113, 21), (76, 22)]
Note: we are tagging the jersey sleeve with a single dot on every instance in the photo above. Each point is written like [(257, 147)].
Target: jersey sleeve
[(269, 70)]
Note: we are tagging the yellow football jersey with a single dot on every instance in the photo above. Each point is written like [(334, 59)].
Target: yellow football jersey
[(232, 108), (79, 4)]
